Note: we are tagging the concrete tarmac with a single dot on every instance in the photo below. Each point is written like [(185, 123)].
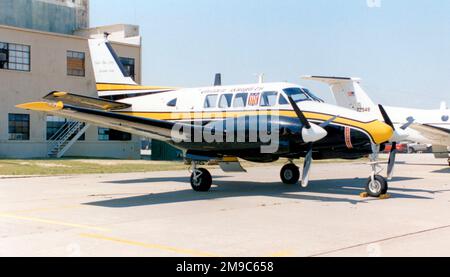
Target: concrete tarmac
[(252, 214)]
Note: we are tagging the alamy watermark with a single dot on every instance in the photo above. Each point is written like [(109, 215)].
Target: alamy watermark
[(261, 127)]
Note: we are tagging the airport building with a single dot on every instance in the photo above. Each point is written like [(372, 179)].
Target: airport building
[(43, 48)]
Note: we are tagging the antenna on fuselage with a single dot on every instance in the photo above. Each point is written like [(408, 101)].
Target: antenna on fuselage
[(260, 77), (218, 80)]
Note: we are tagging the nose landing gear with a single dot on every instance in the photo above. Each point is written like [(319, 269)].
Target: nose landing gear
[(377, 186)]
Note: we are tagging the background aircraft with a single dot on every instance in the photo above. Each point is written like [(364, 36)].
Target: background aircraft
[(424, 126), (302, 124)]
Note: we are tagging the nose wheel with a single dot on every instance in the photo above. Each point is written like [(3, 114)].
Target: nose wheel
[(290, 174), (377, 186)]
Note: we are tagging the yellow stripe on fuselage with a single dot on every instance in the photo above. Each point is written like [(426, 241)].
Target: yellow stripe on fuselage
[(120, 87), (379, 131)]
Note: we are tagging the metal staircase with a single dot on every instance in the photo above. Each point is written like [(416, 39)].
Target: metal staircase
[(66, 136)]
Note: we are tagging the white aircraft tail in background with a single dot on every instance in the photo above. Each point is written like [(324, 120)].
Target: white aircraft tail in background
[(430, 126), (348, 93)]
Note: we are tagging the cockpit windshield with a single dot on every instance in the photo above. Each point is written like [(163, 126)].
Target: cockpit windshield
[(300, 95)]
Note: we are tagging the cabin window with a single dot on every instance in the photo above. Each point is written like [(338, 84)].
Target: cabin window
[(253, 99), (172, 103), (211, 101), (240, 100), (225, 101), (14, 56), (269, 99), (19, 126)]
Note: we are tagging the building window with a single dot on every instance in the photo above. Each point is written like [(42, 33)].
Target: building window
[(105, 134), (129, 65), (75, 63), (19, 126), (14, 56), (57, 126)]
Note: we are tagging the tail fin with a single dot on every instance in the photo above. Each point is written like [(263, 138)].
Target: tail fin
[(347, 92), (107, 67)]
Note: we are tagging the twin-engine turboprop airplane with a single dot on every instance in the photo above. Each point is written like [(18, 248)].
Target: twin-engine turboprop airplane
[(256, 122), (419, 125)]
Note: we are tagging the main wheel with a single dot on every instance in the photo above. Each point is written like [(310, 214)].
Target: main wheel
[(201, 180), (290, 174), (377, 187)]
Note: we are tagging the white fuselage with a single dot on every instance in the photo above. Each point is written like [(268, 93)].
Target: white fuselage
[(435, 118)]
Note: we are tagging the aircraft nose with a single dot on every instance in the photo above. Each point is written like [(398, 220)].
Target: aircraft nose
[(380, 132)]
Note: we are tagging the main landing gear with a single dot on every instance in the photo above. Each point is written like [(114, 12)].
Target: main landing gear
[(290, 174), (201, 179)]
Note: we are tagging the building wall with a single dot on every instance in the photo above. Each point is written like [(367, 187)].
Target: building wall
[(60, 16), (49, 73)]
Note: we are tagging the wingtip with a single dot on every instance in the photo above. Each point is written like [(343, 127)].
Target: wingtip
[(41, 106)]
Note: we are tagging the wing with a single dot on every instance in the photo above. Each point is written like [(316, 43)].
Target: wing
[(85, 102), (98, 112), (438, 135)]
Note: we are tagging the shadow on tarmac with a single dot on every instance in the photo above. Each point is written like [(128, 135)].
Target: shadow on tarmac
[(230, 189), (444, 170)]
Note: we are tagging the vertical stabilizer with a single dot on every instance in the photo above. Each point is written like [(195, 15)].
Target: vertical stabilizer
[(107, 66)]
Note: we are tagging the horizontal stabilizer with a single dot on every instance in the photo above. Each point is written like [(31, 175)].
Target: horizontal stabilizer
[(330, 80), (86, 102)]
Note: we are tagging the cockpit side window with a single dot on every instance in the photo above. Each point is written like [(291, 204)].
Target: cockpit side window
[(211, 101), (172, 103), (240, 100), (269, 99), (225, 101), (313, 96)]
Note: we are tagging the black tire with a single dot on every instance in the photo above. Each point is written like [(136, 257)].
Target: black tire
[(380, 188), (290, 174), (204, 181)]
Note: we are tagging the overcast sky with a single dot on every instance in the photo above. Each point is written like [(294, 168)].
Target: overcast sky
[(401, 48)]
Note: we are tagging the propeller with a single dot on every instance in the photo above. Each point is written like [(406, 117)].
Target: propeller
[(310, 134), (399, 135)]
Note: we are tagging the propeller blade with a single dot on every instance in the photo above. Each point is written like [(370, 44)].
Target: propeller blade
[(392, 158), (386, 117), (300, 114), (410, 122), (328, 122), (307, 166)]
